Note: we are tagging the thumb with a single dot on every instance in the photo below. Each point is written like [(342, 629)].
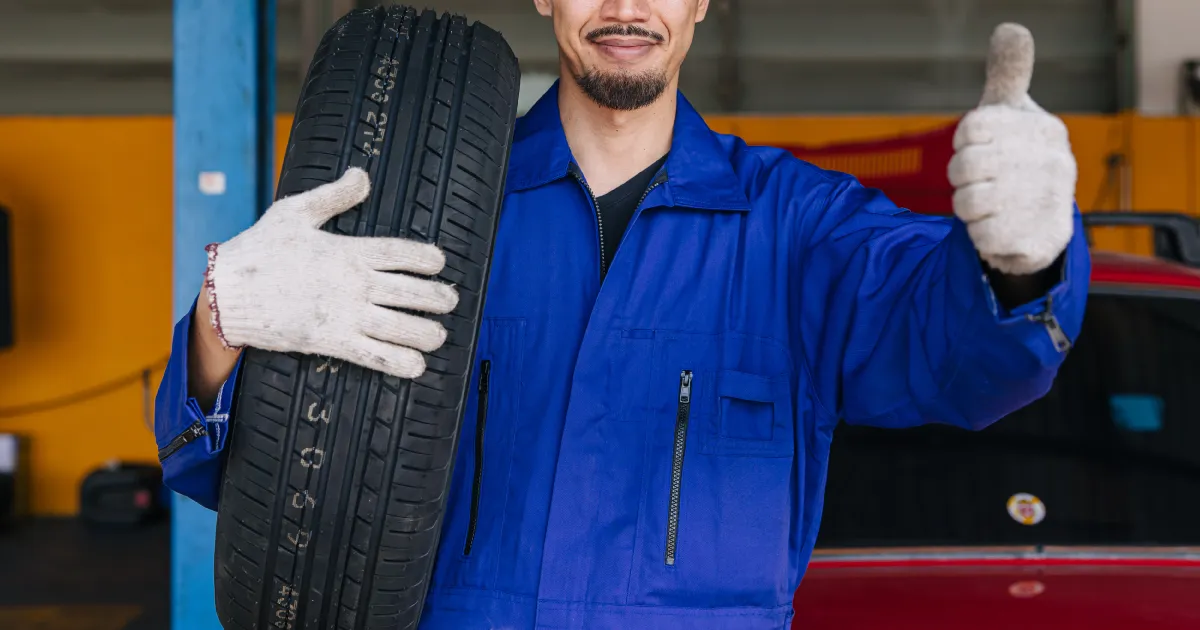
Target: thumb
[(1009, 66), (329, 200)]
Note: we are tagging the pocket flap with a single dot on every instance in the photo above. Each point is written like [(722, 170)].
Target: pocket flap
[(754, 416), (752, 387)]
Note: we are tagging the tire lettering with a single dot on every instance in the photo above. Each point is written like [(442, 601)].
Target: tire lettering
[(330, 365), (301, 538), (301, 499), (285, 612), (314, 417), (312, 457)]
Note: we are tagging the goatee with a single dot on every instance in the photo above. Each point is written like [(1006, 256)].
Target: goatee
[(623, 91)]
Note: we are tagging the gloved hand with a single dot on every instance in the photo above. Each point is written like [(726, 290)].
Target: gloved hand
[(1013, 170), (285, 285)]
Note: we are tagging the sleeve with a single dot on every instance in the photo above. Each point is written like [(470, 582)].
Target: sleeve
[(909, 330), (190, 441)]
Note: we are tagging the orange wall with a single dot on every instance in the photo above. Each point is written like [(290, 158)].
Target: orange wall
[(91, 205), (90, 201)]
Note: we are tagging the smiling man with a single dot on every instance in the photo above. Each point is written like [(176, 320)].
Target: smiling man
[(675, 323)]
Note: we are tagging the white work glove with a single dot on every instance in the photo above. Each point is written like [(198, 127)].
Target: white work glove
[(1013, 171), (285, 285)]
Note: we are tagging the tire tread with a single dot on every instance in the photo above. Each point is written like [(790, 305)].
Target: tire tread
[(359, 555)]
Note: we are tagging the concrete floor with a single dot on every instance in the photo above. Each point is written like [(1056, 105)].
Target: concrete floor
[(61, 574)]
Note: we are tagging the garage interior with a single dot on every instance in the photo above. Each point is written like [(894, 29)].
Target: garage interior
[(110, 108)]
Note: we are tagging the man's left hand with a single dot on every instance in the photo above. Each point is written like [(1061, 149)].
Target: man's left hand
[(1013, 170)]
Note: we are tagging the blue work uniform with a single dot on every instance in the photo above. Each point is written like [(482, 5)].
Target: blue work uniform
[(657, 431)]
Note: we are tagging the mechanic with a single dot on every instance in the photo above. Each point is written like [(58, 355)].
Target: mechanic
[(675, 322)]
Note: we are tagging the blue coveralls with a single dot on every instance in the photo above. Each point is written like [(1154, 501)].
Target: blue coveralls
[(655, 444)]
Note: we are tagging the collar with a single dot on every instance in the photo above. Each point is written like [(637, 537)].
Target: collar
[(699, 174)]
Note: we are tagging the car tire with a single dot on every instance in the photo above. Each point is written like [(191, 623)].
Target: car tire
[(336, 476)]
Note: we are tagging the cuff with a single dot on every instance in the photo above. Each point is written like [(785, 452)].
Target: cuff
[(1051, 323), (190, 440), (216, 420)]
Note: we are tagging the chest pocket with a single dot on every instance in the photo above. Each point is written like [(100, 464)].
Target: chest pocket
[(753, 416), (740, 395)]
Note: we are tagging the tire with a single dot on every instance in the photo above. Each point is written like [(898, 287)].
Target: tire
[(336, 478)]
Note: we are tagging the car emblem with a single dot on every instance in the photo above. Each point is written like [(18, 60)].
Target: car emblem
[(1026, 509), (1026, 589)]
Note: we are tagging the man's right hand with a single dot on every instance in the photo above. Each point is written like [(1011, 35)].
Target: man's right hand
[(287, 286)]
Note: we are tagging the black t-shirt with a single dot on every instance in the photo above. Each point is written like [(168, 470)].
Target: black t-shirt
[(617, 208)]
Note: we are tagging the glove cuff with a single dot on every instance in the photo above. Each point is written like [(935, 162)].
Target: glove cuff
[(213, 308)]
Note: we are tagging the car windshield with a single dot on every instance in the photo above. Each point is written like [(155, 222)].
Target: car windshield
[(1112, 452)]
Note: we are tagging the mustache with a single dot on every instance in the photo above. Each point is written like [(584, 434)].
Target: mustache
[(624, 30)]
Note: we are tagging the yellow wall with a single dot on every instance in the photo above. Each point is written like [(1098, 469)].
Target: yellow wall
[(91, 205), (90, 202)]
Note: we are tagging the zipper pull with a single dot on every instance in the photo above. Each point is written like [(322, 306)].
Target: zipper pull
[(485, 369), (194, 432), (1047, 318), (685, 387)]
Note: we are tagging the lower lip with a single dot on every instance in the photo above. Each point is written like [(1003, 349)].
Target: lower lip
[(625, 53)]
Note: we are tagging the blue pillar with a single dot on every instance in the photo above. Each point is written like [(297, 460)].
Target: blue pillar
[(224, 81)]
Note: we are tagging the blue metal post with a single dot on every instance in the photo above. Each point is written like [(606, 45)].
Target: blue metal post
[(224, 101)]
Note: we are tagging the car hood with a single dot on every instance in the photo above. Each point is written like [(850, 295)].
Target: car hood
[(1019, 595)]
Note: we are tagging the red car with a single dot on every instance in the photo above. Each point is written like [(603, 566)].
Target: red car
[(1080, 511)]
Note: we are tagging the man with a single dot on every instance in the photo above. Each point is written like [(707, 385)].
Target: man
[(660, 413)]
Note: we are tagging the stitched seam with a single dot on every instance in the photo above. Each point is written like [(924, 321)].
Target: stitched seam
[(673, 333), (821, 408), (688, 202)]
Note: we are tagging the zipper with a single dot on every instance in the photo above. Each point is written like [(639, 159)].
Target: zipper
[(599, 219), (659, 179), (189, 435), (1062, 343), (485, 371), (681, 425)]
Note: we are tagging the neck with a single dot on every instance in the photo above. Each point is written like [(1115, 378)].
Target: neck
[(612, 146)]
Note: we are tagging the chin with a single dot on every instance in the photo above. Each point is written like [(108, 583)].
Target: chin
[(623, 88)]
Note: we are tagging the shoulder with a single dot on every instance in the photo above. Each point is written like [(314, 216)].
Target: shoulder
[(816, 203), (775, 178)]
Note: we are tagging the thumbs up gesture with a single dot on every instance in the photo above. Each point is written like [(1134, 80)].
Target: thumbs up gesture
[(1013, 171)]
